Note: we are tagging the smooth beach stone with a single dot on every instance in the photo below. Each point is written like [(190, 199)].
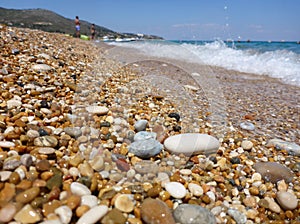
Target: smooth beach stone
[(140, 125), (174, 115), (156, 211), (41, 67), (64, 213), (247, 126), (195, 189), (28, 195), (145, 149), (114, 216), (273, 172), (6, 144), (93, 215), (287, 200), (144, 135), (246, 145), (73, 131), (192, 144), (193, 214), (27, 215), (238, 216), (79, 189), (176, 189), (100, 110), (124, 203), (33, 134), (89, 200), (13, 103), (290, 147), (7, 212), (45, 141), (146, 166), (46, 150)]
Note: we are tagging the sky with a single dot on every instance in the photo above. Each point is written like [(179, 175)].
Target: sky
[(183, 19)]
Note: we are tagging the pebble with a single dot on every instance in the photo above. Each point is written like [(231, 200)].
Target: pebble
[(64, 213), (124, 203), (146, 166), (41, 67), (73, 131), (89, 200), (290, 147), (114, 216), (156, 211), (274, 172), (287, 200), (7, 212), (247, 145), (27, 215), (140, 125), (13, 103), (28, 195), (100, 110), (145, 149), (195, 189), (272, 205), (144, 135), (46, 150), (193, 214), (46, 141), (93, 215), (247, 126), (176, 189), (6, 144), (238, 216), (79, 189), (191, 144)]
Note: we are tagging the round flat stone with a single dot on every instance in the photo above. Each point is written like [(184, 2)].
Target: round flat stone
[(290, 147), (41, 67), (93, 215), (176, 189), (6, 144), (287, 200), (145, 149), (97, 110), (193, 214), (192, 144), (274, 172), (156, 211)]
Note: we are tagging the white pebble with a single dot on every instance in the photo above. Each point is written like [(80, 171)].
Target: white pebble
[(211, 195), (64, 213), (256, 177), (287, 200), (185, 172), (195, 189), (89, 200), (176, 189), (273, 206), (93, 215), (73, 171), (79, 189)]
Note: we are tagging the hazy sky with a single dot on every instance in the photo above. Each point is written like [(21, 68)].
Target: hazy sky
[(179, 19)]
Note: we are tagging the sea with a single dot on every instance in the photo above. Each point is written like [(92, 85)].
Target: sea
[(275, 59)]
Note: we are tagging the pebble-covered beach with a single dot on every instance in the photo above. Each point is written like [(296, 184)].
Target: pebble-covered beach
[(86, 138)]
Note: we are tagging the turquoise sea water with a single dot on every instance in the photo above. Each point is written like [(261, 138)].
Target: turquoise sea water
[(275, 59)]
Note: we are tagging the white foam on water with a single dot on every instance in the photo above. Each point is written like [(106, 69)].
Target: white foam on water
[(282, 64)]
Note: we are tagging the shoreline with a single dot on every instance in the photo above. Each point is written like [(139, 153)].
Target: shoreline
[(58, 148)]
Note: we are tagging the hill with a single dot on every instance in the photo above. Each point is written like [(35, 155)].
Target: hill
[(52, 22)]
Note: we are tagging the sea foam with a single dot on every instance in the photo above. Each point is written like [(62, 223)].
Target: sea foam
[(281, 63)]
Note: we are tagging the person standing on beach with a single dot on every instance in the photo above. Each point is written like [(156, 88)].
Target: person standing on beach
[(77, 26), (93, 31)]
